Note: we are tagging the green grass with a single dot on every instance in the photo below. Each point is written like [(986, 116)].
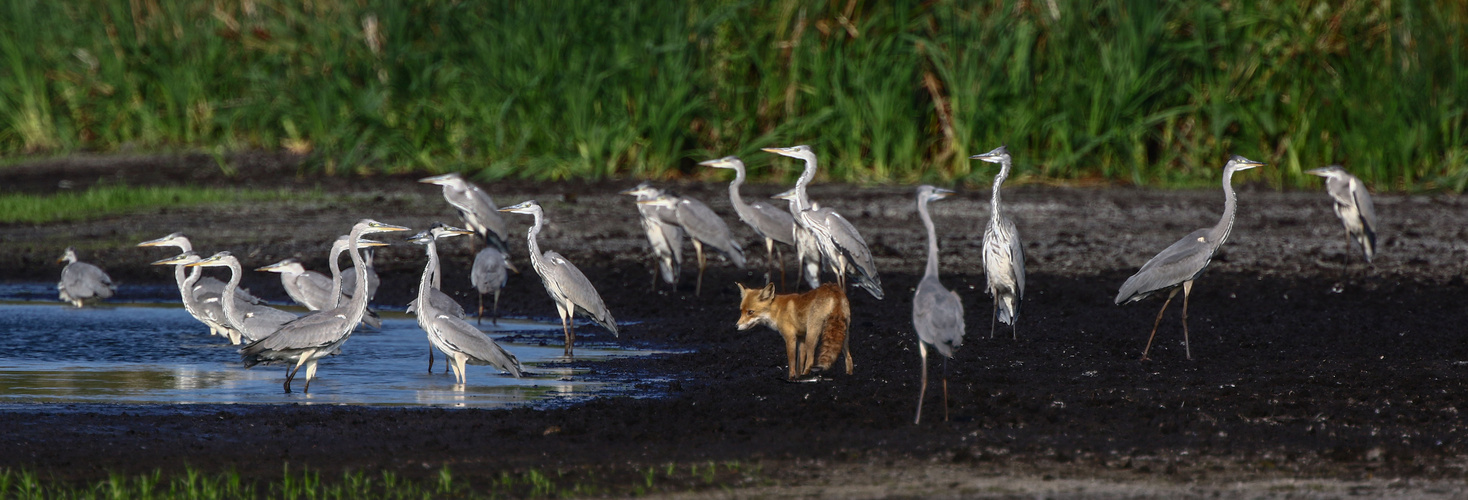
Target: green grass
[(1119, 91), (113, 200), (534, 483)]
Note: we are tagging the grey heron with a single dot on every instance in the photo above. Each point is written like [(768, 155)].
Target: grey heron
[(489, 273), (308, 339), (704, 227), (1004, 255), (842, 247), (663, 234), (475, 207), (81, 282), (1184, 261), (461, 343), (317, 292), (770, 223), (937, 313), (252, 322), (567, 286), (1353, 206), (201, 295)]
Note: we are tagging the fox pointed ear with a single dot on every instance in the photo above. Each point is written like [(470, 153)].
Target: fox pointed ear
[(741, 287), (768, 292)]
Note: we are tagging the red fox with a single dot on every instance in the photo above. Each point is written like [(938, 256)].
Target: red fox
[(802, 318)]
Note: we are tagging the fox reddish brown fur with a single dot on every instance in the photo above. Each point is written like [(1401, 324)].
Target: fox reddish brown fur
[(802, 319)]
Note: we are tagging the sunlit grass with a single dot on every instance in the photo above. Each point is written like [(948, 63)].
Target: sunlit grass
[(1124, 91), (306, 483), (109, 201)]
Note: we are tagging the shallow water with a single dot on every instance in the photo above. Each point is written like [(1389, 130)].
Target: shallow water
[(158, 354)]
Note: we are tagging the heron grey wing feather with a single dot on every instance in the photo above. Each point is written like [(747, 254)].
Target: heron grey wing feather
[(82, 280), (462, 337), (444, 304), (478, 211), (571, 285), (1017, 250), (1179, 262), (315, 330), (771, 222), (1366, 213), (315, 288), (937, 315), (702, 224), (849, 241), (263, 321), (667, 246)]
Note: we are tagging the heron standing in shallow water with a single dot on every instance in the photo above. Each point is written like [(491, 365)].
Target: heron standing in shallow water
[(1183, 261), (488, 275), (1004, 255), (937, 313), (1353, 206), (200, 294), (312, 337), (567, 286), (81, 282), (461, 343), (770, 223)]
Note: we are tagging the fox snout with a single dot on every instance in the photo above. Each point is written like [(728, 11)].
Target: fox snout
[(746, 322)]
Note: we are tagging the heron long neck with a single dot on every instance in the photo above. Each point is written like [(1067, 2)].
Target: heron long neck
[(335, 296), (734, 198), (430, 273), (357, 307), (1226, 223), (536, 259), (178, 270), (186, 286), (1004, 165), (802, 199), (932, 269), (231, 313)]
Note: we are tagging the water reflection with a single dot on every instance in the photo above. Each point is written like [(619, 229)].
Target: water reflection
[(151, 355)]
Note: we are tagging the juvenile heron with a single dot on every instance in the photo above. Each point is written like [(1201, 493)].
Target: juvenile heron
[(1353, 206), (1185, 260), (1004, 256), (317, 335), (199, 294), (663, 234), (475, 207), (461, 343), (937, 313), (704, 227), (841, 246), (567, 286), (770, 223), (488, 275), (252, 322), (81, 282)]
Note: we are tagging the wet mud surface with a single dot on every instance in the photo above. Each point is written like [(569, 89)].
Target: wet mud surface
[(1307, 363)]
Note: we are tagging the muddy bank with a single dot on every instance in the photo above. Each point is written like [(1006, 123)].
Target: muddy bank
[(1290, 377)]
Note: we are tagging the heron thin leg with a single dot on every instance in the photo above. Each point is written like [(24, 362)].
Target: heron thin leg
[(494, 318), (779, 262), (1187, 290), (480, 319), (698, 248), (310, 370), (945, 388), (923, 388), (994, 316), (430, 360), (292, 374), (1158, 321)]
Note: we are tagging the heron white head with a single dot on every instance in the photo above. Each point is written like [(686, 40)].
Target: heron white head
[(172, 240), (996, 155), (787, 195), (221, 259), (366, 226), (1332, 171), (1240, 163), (729, 162), (438, 231), (802, 152), (661, 200), (287, 266), (68, 257), (449, 179), (930, 193), (529, 207), (184, 258), (642, 189)]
